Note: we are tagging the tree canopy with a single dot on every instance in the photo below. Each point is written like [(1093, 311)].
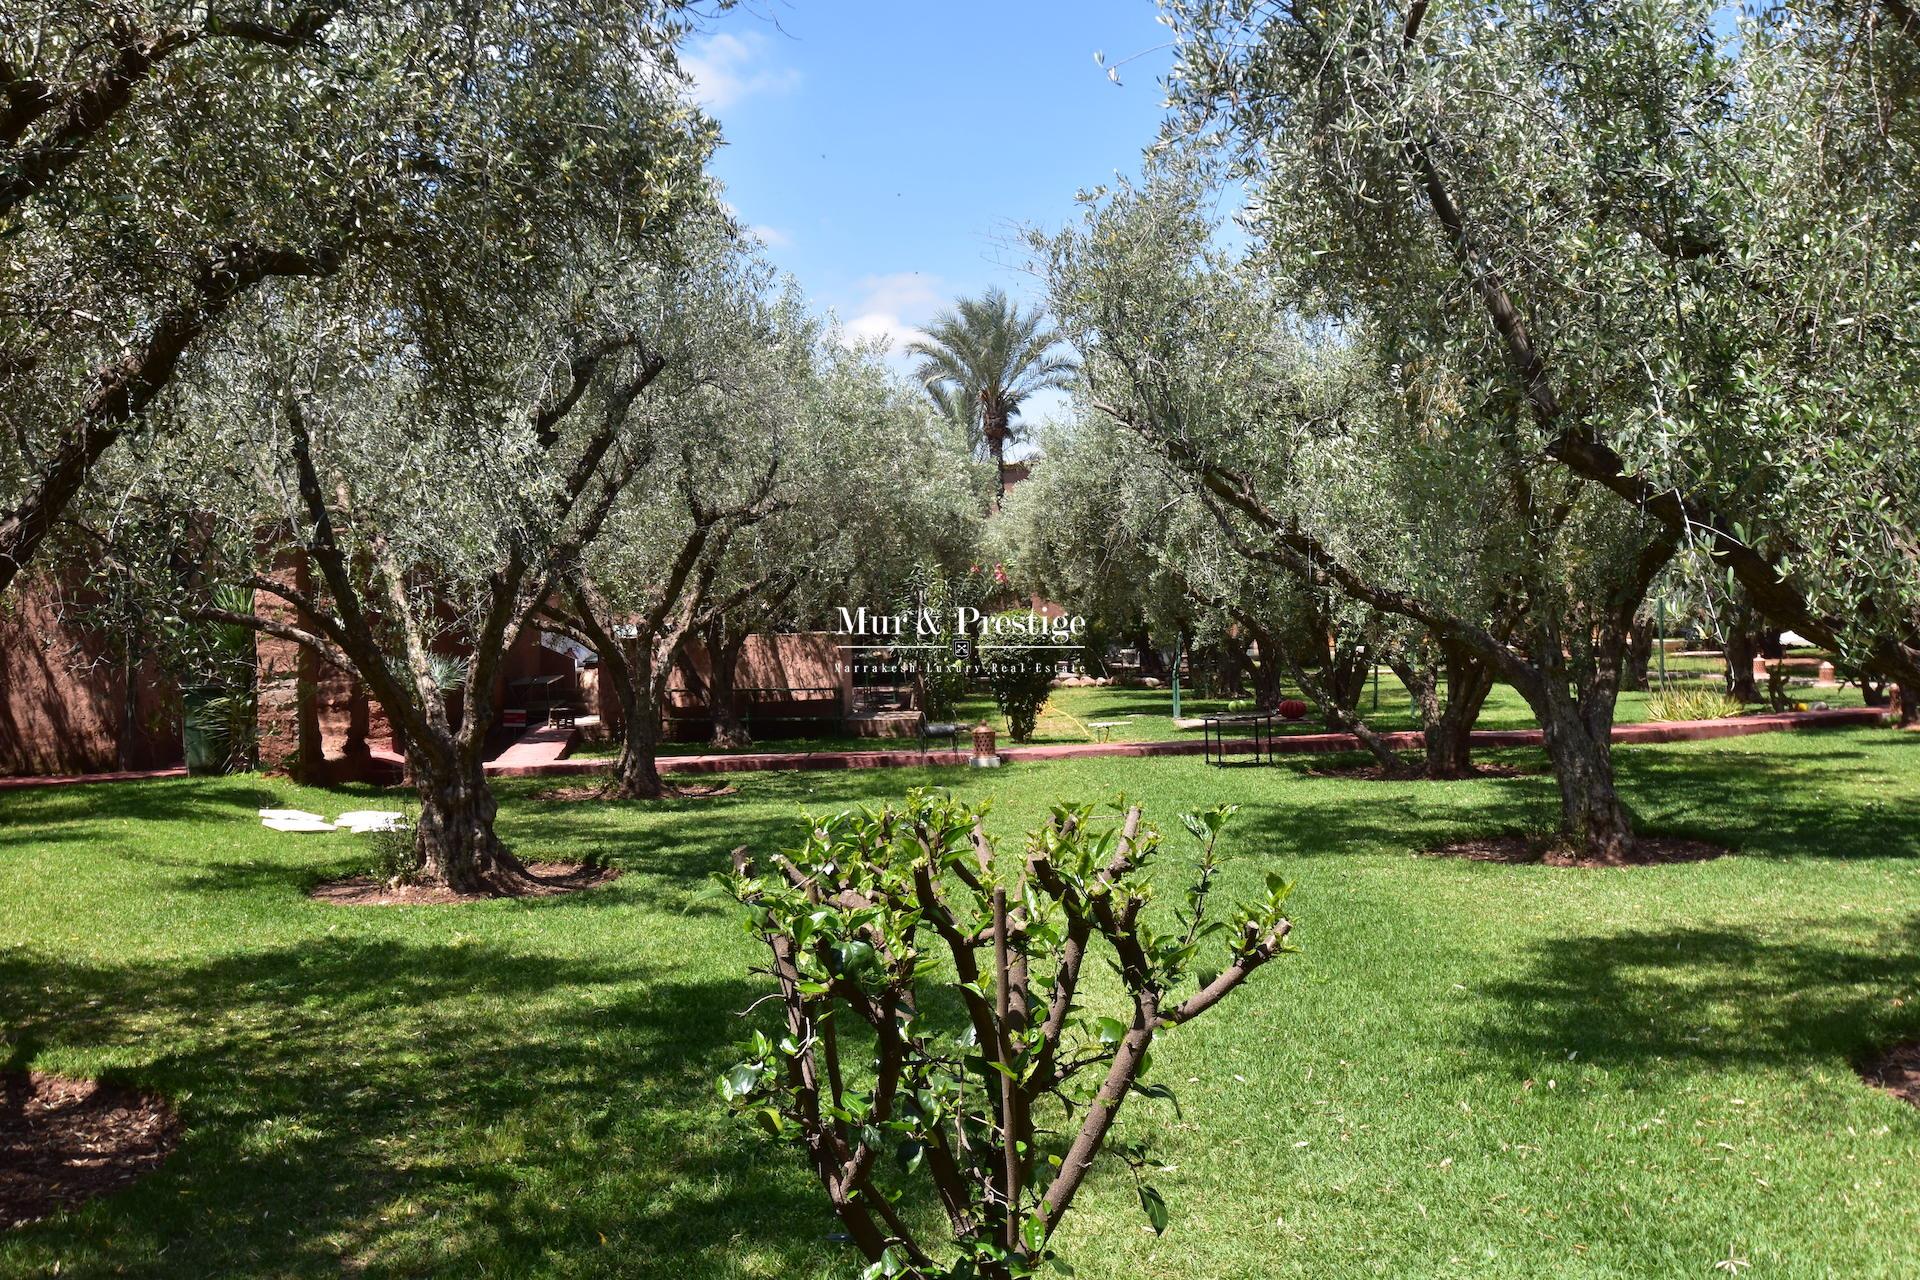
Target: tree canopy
[(162, 163)]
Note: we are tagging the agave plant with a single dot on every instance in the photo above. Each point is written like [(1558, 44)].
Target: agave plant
[(220, 711)]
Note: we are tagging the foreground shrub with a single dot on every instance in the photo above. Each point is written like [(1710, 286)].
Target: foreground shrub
[(1691, 702), (884, 921)]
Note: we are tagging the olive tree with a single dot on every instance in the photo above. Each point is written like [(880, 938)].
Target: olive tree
[(1681, 250), (1395, 485), (1104, 517), (440, 478), (165, 164), (802, 476), (1086, 528), (646, 584), (878, 490)]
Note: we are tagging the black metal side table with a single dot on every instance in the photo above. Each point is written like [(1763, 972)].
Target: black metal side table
[(1255, 727)]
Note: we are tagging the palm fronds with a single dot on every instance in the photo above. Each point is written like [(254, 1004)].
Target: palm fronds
[(982, 360)]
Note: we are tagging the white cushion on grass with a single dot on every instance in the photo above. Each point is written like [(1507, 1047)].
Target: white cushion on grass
[(307, 824), (360, 821)]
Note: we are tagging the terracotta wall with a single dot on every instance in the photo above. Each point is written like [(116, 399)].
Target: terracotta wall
[(334, 690), (277, 717), (800, 660), (276, 666), (62, 701), (278, 673)]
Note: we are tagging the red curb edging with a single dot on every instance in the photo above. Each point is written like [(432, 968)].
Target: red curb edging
[(1295, 744), (75, 779)]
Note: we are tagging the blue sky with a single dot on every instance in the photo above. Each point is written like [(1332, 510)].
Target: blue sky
[(889, 150)]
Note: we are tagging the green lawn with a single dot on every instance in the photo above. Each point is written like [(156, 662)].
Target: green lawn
[(1473, 1070), (1148, 714)]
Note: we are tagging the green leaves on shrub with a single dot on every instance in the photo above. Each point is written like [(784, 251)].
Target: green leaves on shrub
[(934, 1021)]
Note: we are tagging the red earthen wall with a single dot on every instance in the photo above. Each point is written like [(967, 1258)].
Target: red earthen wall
[(62, 698), (795, 660)]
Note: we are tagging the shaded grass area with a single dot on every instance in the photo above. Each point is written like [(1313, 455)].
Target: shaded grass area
[(1148, 714), (1472, 1070)]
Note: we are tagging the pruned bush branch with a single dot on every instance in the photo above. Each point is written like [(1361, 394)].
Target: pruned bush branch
[(935, 1021)]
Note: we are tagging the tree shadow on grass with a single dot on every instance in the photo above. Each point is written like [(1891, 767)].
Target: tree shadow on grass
[(227, 875), (152, 800), (403, 1109), (39, 817), (1329, 817), (1765, 805), (1721, 997), (675, 846), (1788, 805), (669, 864)]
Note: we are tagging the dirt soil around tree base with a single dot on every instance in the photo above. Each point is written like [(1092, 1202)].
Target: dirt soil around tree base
[(608, 791), (1372, 772), (546, 880), (1897, 1070), (63, 1141), (1648, 851)]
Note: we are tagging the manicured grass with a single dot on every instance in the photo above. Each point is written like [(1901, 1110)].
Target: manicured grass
[(1473, 1070), (1148, 713)]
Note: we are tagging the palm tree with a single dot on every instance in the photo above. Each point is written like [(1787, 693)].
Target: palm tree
[(957, 409), (981, 361)]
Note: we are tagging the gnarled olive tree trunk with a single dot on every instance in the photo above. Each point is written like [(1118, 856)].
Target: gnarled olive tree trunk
[(637, 671), (455, 838), (1574, 703), (1639, 655), (1447, 723), (1232, 663), (636, 772), (1341, 717), (1345, 673), (638, 666), (1450, 736), (724, 643), (1267, 686), (1594, 824), (1738, 650)]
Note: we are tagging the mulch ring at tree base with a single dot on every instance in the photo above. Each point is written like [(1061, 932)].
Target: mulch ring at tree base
[(1372, 773), (63, 1141), (610, 791), (1897, 1071), (1648, 851), (546, 880)]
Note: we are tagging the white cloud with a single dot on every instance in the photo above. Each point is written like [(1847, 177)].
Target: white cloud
[(890, 330), (892, 308), (726, 68)]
